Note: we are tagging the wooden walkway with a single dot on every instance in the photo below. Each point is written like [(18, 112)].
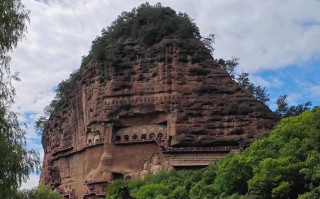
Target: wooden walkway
[(170, 149)]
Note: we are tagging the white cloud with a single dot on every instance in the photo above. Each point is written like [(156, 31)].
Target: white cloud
[(274, 82), (263, 34), (257, 80), (294, 98)]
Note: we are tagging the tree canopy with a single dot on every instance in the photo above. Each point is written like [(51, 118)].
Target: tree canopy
[(148, 24), (16, 160), (283, 109), (41, 192)]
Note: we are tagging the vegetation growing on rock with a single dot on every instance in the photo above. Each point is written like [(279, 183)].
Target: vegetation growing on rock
[(148, 24)]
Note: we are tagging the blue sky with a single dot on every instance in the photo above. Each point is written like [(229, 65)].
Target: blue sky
[(277, 42), (299, 81)]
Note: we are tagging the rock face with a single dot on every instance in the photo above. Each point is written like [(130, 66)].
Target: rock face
[(162, 107)]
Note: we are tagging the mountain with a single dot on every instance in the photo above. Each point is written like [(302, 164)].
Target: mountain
[(142, 103)]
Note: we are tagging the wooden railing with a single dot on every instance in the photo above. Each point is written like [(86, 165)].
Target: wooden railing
[(94, 192), (203, 149), (160, 142), (195, 149)]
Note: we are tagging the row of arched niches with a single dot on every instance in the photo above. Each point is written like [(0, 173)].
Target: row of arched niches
[(143, 133)]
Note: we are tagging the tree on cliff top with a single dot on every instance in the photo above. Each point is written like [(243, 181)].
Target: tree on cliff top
[(148, 24), (16, 162)]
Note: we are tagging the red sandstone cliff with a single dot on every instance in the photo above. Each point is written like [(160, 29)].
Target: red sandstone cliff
[(172, 91)]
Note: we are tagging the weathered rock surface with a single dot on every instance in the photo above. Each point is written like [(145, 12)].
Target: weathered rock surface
[(169, 105)]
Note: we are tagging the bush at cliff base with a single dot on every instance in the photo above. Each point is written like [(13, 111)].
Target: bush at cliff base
[(286, 164), (41, 192)]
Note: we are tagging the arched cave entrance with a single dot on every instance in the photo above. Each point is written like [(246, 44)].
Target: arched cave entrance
[(151, 136), (118, 138), (117, 176), (135, 137)]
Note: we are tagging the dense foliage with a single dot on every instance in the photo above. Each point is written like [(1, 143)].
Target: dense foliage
[(63, 92), (286, 164), (41, 192), (16, 161), (148, 24), (12, 28)]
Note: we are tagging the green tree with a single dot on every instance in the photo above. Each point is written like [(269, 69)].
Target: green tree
[(179, 193), (229, 66), (232, 175), (41, 192), (313, 194), (150, 191), (16, 161), (12, 19), (208, 42), (283, 109), (118, 190), (27, 194), (40, 124), (282, 105), (258, 92), (266, 178), (44, 192), (244, 82)]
